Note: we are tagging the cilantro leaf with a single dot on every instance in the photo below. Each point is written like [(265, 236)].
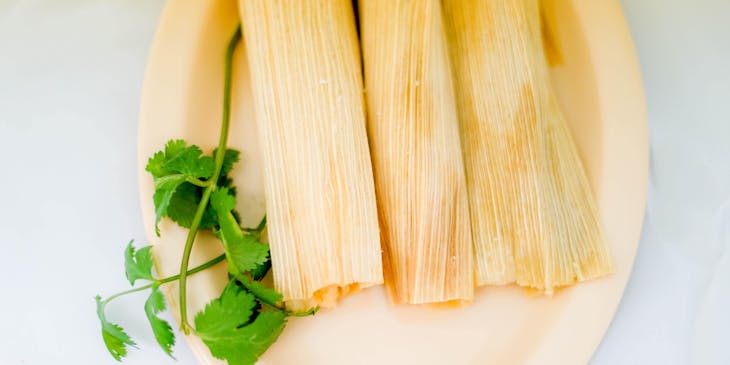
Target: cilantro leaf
[(115, 339), (171, 169), (162, 330), (164, 189), (232, 156), (261, 270), (225, 326), (223, 202), (233, 308), (186, 198), (189, 162), (174, 147), (244, 251), (185, 202), (138, 264), (261, 291), (156, 165)]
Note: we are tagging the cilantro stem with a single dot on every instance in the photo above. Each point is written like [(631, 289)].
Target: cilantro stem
[(306, 313), (196, 269), (198, 182), (130, 291), (222, 142), (184, 325), (245, 282), (166, 280)]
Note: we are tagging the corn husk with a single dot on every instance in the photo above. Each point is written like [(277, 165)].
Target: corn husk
[(533, 217), (307, 86), (414, 142)]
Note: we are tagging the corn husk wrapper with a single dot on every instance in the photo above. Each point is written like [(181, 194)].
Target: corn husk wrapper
[(534, 220), (307, 85), (414, 141)]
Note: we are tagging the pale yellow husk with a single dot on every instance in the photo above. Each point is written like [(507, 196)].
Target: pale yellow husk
[(414, 142), (534, 220), (320, 198)]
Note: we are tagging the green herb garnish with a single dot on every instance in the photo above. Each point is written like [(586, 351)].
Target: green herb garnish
[(194, 190)]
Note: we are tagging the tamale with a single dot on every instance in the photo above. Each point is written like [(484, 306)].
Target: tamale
[(534, 219), (320, 198), (414, 142)]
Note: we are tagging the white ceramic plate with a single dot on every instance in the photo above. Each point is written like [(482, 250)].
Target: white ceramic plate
[(600, 90)]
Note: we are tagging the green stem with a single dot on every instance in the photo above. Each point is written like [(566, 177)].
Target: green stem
[(244, 280), (196, 269), (303, 314), (198, 182), (166, 280), (279, 308), (130, 291), (184, 325)]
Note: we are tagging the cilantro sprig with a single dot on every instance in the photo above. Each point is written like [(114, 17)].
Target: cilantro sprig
[(194, 190), (138, 266)]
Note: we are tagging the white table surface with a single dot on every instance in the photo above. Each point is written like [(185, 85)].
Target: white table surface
[(70, 79)]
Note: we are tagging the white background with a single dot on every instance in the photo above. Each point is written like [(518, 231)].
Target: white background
[(70, 79)]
